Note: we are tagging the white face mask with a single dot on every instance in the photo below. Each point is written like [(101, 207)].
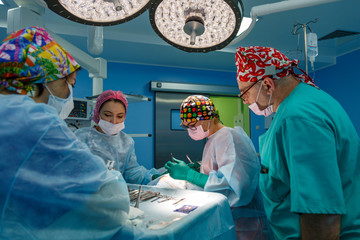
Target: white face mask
[(110, 128), (63, 106), (255, 107), (198, 133)]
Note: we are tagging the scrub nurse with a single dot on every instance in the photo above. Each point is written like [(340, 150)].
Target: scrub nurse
[(107, 140)]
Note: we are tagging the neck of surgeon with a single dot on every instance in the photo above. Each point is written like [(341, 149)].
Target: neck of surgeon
[(279, 89)]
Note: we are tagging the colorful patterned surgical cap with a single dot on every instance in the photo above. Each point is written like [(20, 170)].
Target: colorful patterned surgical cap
[(255, 63), (197, 107), (29, 56), (103, 97)]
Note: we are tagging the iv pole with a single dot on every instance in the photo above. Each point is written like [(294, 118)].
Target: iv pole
[(304, 26)]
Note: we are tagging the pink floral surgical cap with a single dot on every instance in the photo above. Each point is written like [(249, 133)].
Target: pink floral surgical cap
[(255, 63), (103, 97)]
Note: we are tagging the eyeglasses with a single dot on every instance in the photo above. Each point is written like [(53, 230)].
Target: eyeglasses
[(246, 90), (190, 126)]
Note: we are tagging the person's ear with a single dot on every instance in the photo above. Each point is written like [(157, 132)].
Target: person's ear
[(269, 85)]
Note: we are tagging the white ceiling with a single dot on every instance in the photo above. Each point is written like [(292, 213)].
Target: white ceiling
[(136, 42)]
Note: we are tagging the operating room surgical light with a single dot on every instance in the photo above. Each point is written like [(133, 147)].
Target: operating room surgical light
[(196, 25), (99, 12)]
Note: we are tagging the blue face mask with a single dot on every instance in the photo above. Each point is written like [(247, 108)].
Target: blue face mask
[(63, 106)]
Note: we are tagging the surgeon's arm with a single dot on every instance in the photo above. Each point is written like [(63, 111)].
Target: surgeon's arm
[(320, 226)]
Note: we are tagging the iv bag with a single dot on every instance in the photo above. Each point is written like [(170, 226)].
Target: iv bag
[(312, 46)]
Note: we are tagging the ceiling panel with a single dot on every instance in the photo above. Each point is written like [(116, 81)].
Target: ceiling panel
[(136, 42)]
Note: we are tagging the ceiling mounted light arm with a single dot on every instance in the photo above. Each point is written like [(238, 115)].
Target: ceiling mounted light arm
[(99, 12), (282, 6), (195, 25)]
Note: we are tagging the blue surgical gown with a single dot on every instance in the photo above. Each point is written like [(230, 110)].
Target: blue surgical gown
[(52, 187), (230, 160), (311, 153), (118, 152)]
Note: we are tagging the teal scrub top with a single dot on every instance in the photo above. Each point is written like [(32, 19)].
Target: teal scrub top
[(310, 157)]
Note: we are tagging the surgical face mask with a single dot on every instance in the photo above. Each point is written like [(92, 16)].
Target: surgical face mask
[(198, 133), (255, 107), (110, 128), (63, 106)]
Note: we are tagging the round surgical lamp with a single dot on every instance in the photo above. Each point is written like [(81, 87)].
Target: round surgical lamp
[(99, 12), (196, 25)]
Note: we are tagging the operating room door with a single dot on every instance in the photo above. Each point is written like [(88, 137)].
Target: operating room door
[(169, 136)]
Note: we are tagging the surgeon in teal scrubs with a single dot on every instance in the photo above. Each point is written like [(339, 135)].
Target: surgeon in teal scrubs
[(310, 153)]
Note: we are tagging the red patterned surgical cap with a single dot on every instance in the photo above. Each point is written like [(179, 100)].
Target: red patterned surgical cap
[(255, 63)]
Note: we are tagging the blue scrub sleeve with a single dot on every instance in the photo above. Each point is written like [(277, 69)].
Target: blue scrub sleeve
[(312, 160), (135, 173)]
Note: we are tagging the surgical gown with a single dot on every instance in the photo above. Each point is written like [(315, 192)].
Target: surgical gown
[(52, 187), (311, 153), (230, 160), (118, 152)]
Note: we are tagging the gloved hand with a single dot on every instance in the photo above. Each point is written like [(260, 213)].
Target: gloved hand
[(177, 169), (196, 166)]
